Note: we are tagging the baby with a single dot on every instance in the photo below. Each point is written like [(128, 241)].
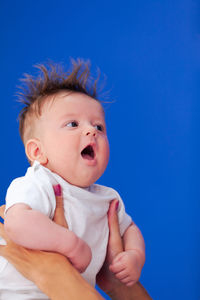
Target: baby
[(64, 133)]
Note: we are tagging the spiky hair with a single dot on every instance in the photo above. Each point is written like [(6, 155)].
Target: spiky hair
[(52, 79)]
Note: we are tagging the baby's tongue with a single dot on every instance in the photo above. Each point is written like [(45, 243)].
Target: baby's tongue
[(87, 156)]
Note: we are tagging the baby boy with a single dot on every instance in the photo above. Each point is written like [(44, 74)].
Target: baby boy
[(63, 129)]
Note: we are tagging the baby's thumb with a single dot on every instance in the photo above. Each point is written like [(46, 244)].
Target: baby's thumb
[(59, 216)]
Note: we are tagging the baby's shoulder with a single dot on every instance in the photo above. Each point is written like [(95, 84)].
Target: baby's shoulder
[(23, 185), (105, 190), (33, 192)]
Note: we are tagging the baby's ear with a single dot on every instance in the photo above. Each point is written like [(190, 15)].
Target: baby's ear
[(34, 151)]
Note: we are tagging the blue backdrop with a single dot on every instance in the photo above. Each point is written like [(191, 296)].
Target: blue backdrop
[(149, 51)]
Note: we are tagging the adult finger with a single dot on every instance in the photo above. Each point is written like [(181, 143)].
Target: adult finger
[(2, 233), (115, 244), (2, 209), (59, 216)]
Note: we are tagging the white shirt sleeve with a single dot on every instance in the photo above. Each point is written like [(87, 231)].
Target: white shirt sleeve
[(21, 190)]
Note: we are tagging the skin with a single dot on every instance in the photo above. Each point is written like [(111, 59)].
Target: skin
[(72, 121), (51, 272), (56, 277), (127, 265)]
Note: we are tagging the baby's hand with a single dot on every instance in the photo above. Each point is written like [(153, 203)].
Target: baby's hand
[(80, 256), (126, 267)]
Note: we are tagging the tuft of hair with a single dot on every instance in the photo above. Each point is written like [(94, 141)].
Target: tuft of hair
[(51, 79)]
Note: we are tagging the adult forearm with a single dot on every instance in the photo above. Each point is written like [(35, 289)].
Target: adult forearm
[(51, 272), (64, 282), (135, 292)]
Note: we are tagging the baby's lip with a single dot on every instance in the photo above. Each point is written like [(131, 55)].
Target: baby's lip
[(88, 151)]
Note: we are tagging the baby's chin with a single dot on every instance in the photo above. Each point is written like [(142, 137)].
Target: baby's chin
[(82, 182), (82, 178)]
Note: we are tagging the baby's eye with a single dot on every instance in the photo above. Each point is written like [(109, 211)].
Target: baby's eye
[(72, 124), (99, 127)]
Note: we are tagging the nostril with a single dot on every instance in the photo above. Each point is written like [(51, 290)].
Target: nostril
[(92, 132)]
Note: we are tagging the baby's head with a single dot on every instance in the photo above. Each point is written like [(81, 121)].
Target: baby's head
[(62, 124)]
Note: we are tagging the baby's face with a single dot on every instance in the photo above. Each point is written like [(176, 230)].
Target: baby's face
[(72, 131)]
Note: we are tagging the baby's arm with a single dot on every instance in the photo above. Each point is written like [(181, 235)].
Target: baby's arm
[(128, 264), (34, 230)]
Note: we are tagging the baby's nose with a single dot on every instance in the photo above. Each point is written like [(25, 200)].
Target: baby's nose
[(90, 131)]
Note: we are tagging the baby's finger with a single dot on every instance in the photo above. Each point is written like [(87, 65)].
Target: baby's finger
[(116, 268), (121, 275), (130, 283), (118, 258), (59, 216), (126, 280), (2, 209)]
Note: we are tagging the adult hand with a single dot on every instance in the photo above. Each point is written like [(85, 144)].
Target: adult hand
[(51, 272), (59, 216), (105, 278), (31, 263), (27, 262)]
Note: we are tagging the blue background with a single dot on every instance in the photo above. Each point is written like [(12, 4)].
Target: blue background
[(149, 52)]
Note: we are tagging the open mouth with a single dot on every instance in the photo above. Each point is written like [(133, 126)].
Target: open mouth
[(88, 152)]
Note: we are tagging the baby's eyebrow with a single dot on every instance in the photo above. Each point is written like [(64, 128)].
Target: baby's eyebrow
[(69, 115)]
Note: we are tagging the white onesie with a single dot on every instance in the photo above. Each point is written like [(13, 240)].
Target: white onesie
[(86, 214)]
